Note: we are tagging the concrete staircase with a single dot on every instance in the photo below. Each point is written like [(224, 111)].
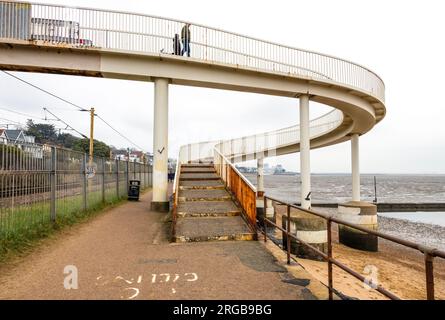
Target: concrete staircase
[(206, 210)]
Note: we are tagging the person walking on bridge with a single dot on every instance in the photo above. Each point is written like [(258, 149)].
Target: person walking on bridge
[(186, 37)]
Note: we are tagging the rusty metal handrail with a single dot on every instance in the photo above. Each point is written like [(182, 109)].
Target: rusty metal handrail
[(429, 252), (224, 159), (241, 188)]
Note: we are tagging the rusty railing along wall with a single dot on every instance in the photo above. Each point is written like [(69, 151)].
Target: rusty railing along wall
[(238, 185), (430, 253)]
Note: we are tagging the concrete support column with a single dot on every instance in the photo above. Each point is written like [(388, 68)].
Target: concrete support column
[(260, 177), (305, 147), (160, 146), (363, 214), (355, 161), (310, 229), (357, 212), (269, 212)]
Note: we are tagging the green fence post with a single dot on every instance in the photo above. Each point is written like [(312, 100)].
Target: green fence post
[(53, 183)]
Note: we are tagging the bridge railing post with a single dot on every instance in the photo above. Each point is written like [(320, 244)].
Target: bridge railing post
[(103, 180), (53, 183), (127, 175), (141, 173), (85, 182), (264, 219), (429, 271), (288, 233), (330, 274), (118, 195)]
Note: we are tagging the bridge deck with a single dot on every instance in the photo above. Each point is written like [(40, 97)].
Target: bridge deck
[(126, 251)]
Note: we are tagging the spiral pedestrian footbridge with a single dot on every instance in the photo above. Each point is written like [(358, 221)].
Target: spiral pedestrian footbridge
[(121, 45)]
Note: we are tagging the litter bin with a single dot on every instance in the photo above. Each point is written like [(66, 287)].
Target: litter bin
[(133, 190)]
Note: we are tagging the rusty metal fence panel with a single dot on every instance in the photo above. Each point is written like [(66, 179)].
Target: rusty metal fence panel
[(429, 252), (40, 184)]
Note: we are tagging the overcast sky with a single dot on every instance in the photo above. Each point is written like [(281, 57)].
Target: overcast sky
[(402, 41)]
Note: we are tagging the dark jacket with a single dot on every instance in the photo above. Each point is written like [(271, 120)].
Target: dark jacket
[(185, 33)]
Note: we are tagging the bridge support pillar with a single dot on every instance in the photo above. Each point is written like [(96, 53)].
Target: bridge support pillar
[(305, 149), (260, 177), (160, 201), (269, 212), (355, 164), (356, 211), (308, 228)]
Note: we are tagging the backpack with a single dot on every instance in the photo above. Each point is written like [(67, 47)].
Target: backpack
[(176, 45)]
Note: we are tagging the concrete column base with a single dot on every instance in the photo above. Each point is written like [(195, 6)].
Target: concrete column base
[(310, 229), (160, 206), (270, 211), (363, 214)]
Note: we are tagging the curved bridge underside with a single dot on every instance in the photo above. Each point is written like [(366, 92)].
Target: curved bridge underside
[(359, 111)]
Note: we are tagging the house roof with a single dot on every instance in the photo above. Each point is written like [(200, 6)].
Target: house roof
[(13, 134), (2, 131), (137, 153)]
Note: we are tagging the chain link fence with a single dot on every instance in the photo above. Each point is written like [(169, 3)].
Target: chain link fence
[(40, 184)]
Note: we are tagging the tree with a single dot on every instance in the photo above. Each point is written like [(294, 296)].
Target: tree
[(44, 133), (100, 148), (67, 140)]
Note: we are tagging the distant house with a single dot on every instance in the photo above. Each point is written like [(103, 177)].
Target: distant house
[(30, 139), (3, 139), (18, 137), (121, 157), (279, 169), (138, 156), (15, 136), (149, 158), (24, 142), (120, 154)]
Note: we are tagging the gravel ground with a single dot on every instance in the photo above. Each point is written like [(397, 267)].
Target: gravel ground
[(427, 234)]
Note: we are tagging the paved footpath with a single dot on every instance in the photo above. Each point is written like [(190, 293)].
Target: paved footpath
[(125, 254)]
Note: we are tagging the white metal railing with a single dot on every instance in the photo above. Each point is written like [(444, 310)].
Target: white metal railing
[(222, 163), (114, 30), (271, 141), (259, 144), (195, 152)]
